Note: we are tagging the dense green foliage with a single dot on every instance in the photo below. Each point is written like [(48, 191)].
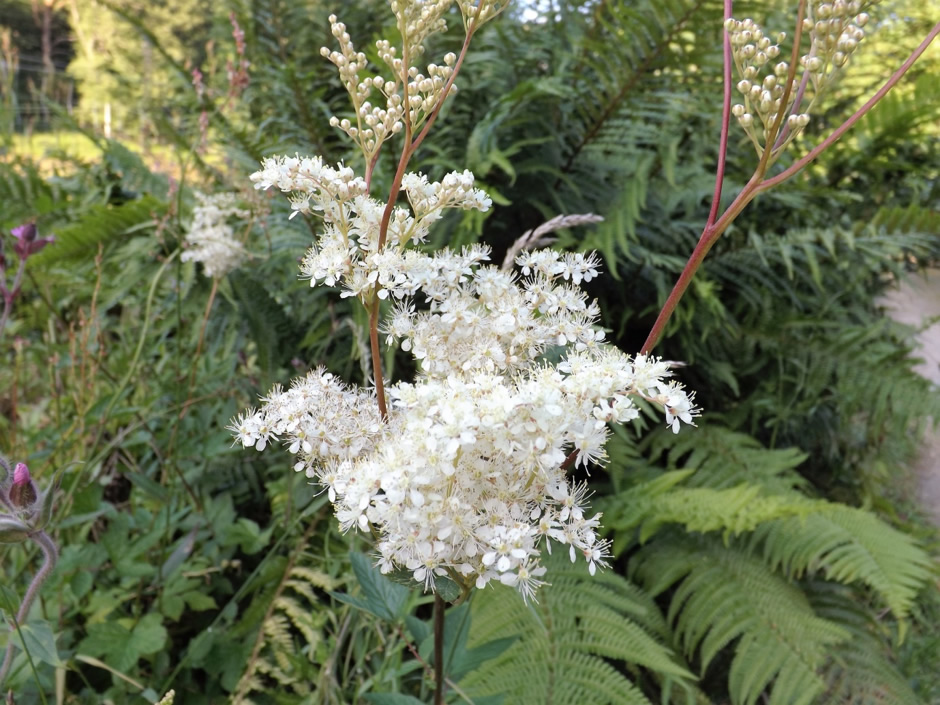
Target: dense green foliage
[(766, 556)]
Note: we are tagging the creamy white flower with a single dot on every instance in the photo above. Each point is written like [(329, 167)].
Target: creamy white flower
[(468, 477), (211, 240)]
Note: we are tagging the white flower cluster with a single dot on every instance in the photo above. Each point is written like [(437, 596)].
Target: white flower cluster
[(313, 185), (347, 250), (468, 478), (211, 240)]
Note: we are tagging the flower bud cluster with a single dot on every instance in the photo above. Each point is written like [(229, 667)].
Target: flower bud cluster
[(417, 20), (426, 92), (373, 124), (211, 240), (411, 94), (763, 83), (477, 12), (836, 29)]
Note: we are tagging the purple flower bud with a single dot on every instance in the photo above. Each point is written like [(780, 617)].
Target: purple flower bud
[(28, 240), (23, 492), (21, 474), (26, 232)]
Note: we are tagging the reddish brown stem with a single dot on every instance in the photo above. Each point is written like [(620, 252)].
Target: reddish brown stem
[(407, 150), (438, 649), (725, 122)]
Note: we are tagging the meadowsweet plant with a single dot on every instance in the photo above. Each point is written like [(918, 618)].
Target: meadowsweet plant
[(211, 237), (464, 472)]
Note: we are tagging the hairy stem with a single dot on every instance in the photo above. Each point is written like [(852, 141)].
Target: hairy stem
[(51, 555), (10, 294)]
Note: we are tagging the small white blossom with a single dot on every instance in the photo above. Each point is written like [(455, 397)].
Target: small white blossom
[(211, 240)]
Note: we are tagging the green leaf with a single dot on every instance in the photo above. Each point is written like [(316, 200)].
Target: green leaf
[(39, 641), (121, 647), (12, 530), (149, 634), (381, 597), (418, 627), (446, 588), (391, 699)]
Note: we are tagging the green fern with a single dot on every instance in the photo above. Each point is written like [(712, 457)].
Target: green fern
[(849, 545), (574, 643), (726, 595), (289, 637), (100, 225), (861, 671)]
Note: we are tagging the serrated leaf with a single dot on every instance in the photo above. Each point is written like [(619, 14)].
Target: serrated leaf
[(380, 596), (39, 641), (149, 634)]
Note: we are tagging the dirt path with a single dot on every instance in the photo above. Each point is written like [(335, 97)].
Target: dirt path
[(916, 301)]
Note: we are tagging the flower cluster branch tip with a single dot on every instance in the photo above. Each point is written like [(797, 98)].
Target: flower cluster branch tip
[(775, 109)]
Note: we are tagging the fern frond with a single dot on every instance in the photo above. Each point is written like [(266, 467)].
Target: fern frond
[(100, 225), (861, 671), (570, 642), (849, 545), (722, 458), (725, 595)]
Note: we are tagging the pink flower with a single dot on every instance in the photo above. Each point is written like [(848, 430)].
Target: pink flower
[(28, 240)]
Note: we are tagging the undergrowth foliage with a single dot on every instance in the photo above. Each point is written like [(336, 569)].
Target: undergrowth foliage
[(767, 555)]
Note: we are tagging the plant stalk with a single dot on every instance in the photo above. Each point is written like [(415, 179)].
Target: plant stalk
[(51, 555), (438, 649)]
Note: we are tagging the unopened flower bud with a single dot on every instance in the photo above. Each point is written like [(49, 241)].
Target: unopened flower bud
[(746, 120), (744, 86), (23, 490), (737, 110), (862, 19), (28, 241)]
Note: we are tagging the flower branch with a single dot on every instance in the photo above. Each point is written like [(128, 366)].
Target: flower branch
[(758, 184)]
